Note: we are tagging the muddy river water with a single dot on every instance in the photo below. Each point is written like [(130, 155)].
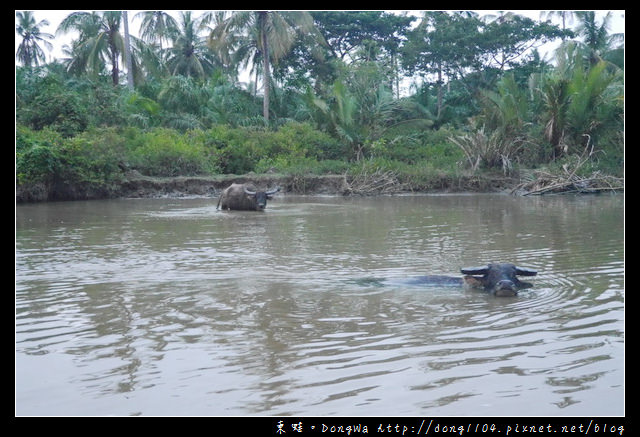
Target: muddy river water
[(169, 307)]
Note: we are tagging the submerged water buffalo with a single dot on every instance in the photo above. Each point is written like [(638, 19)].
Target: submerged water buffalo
[(499, 279), (244, 197)]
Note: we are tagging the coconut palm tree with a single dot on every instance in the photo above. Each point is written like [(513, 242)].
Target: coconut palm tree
[(565, 16), (596, 36), (555, 95), (127, 50), (29, 51), (189, 54), (157, 26), (100, 40), (265, 35), (579, 100)]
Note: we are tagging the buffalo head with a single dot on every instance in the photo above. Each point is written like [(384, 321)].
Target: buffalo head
[(260, 196), (499, 279)]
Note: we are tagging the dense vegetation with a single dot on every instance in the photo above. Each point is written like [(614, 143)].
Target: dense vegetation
[(482, 99)]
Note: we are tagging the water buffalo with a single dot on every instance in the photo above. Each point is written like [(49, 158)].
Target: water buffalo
[(498, 279), (244, 197)]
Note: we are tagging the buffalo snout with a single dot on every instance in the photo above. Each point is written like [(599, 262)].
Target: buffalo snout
[(261, 200), (505, 287)]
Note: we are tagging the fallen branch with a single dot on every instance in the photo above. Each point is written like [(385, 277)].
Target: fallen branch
[(365, 183), (545, 183), (568, 181)]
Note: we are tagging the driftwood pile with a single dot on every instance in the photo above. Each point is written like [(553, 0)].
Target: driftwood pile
[(549, 183), (368, 183), (568, 181)]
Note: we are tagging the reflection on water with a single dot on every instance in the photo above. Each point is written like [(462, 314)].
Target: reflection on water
[(169, 307)]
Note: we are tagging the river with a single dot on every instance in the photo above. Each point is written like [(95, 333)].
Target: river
[(169, 307)]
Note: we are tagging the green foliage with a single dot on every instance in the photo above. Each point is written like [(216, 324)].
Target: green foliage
[(334, 102), (241, 150), (231, 105), (237, 149), (493, 150), (48, 104), (359, 110), (36, 155), (416, 148), (575, 105), (506, 109), (141, 111), (301, 139), (167, 152), (91, 159)]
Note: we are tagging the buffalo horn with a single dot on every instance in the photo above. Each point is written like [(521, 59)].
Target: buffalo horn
[(475, 270), (523, 271), (250, 193)]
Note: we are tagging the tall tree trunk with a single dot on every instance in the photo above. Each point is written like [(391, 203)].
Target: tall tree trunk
[(395, 81), (439, 92), (115, 69), (265, 65), (127, 51)]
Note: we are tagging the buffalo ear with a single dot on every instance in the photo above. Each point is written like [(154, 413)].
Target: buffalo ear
[(523, 271), (475, 270)]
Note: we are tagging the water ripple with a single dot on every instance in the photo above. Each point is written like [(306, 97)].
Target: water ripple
[(168, 307)]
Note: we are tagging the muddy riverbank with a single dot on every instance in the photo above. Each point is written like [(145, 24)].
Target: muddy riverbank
[(136, 185)]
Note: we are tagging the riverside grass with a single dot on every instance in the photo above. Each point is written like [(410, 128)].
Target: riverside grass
[(109, 162)]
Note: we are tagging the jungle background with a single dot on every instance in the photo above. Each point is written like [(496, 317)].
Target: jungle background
[(413, 98)]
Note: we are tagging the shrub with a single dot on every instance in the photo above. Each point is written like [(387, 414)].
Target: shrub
[(301, 165), (49, 104), (235, 150), (37, 157), (92, 158), (301, 139), (166, 152), (489, 150), (244, 149)]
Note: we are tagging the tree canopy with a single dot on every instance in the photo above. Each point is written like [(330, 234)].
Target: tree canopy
[(381, 84)]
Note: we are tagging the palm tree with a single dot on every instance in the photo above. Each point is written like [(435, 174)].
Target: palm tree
[(341, 115), (29, 51), (100, 39), (556, 98), (77, 54), (596, 37), (565, 16), (189, 54), (157, 26), (212, 20), (579, 100), (127, 50), (267, 35)]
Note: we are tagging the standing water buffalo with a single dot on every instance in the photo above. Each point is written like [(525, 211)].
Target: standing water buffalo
[(498, 279), (244, 197)]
